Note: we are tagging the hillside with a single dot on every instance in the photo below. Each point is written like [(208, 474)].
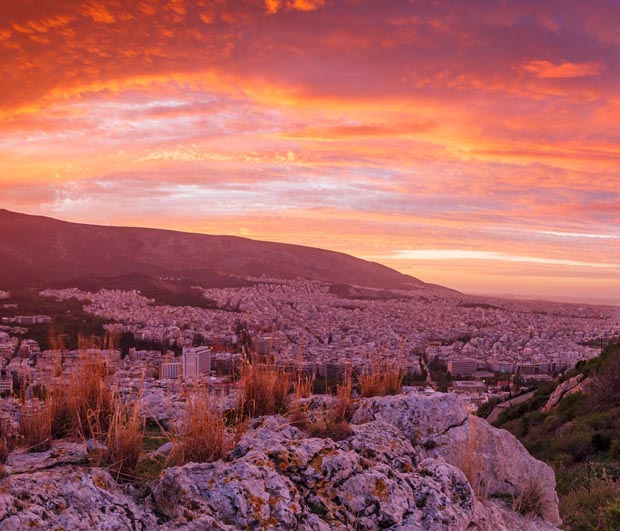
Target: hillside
[(574, 425), (45, 251)]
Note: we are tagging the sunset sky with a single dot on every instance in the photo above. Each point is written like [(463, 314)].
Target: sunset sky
[(475, 144)]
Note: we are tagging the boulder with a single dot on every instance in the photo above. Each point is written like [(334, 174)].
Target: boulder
[(495, 462)]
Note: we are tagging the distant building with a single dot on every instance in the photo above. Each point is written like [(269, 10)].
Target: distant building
[(196, 360), (462, 367), (5, 294), (170, 368), (501, 366), (266, 345), (28, 348), (28, 319), (6, 381), (470, 387)]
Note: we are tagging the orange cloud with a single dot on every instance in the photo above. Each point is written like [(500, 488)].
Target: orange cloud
[(273, 6), (548, 70), (98, 13)]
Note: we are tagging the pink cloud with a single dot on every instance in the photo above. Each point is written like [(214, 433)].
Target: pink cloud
[(548, 70)]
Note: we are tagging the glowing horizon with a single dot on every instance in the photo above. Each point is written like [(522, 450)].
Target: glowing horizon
[(382, 130)]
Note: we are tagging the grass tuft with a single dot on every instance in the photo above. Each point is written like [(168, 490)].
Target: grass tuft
[(384, 378), (265, 389), (205, 435), (35, 426), (531, 500), (124, 441)]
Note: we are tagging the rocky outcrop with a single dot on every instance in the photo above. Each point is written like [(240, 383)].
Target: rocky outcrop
[(69, 498), (412, 462), (576, 384), (495, 462)]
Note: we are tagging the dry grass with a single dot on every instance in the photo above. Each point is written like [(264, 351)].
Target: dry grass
[(531, 500), (35, 425), (469, 460), (332, 423), (343, 408), (265, 389), (90, 404), (82, 407), (302, 386), (205, 436), (6, 442), (124, 441), (4, 450), (384, 378)]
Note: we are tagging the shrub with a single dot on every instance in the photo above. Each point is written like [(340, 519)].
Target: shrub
[(601, 442), (604, 388), (592, 507), (577, 444)]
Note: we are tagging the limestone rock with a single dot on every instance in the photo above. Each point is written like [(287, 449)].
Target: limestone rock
[(412, 462), (573, 385), (496, 463), (420, 417), (279, 478), (61, 453), (69, 498)]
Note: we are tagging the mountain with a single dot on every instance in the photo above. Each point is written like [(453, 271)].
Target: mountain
[(48, 252)]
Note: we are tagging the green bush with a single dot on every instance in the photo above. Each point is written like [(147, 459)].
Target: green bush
[(593, 507)]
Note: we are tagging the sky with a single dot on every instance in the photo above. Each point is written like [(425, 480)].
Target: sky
[(474, 144)]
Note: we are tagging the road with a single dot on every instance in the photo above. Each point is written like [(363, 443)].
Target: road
[(497, 410)]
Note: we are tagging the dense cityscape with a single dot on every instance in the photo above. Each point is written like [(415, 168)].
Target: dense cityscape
[(488, 348)]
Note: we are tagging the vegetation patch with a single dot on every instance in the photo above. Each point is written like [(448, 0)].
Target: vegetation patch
[(580, 439)]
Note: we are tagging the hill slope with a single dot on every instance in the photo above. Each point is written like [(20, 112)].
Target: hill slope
[(577, 432), (43, 250)]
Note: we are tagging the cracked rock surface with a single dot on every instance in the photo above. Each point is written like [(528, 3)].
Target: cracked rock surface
[(413, 462)]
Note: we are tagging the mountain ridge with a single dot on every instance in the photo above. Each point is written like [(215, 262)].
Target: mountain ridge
[(37, 248)]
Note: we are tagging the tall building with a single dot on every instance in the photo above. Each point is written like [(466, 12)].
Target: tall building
[(6, 381), (196, 360), (170, 368)]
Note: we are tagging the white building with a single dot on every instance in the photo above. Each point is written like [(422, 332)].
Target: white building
[(171, 368), (196, 360)]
